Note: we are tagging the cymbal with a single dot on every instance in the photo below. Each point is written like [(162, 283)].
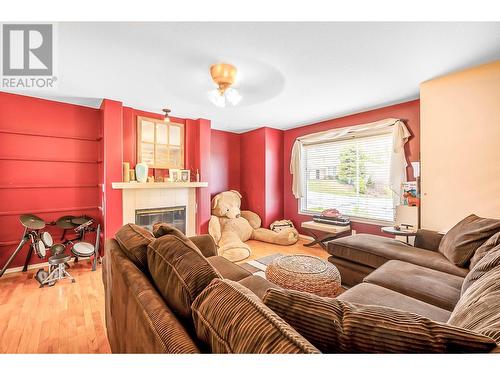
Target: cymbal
[(80, 220), (65, 222), (32, 221)]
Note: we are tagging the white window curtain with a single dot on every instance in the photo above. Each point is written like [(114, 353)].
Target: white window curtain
[(398, 160)]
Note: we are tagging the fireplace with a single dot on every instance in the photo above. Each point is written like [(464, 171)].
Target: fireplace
[(175, 216)]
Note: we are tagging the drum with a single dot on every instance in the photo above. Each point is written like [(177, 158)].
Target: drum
[(83, 249), (40, 248), (57, 249), (47, 239)]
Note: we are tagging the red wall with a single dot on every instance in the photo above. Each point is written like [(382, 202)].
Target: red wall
[(274, 176), (112, 138), (253, 178), (225, 162), (197, 149), (409, 111), (262, 178), (49, 165)]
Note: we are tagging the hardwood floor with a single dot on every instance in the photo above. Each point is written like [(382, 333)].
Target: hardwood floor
[(69, 318), (65, 318)]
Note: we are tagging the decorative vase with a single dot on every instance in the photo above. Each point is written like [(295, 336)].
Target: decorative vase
[(141, 172)]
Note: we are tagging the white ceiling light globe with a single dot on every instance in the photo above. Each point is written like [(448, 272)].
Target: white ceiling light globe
[(232, 96), (216, 98)]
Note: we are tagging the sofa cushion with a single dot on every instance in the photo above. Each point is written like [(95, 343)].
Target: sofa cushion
[(204, 242), (479, 307), (460, 242), (258, 285), (134, 241), (229, 318), (162, 229), (484, 249), (487, 263), (179, 271), (336, 326), (228, 269), (373, 251), (371, 294), (435, 287)]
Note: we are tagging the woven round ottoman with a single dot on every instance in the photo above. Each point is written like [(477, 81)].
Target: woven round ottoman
[(305, 273)]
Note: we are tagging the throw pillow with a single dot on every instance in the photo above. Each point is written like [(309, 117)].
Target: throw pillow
[(162, 229), (335, 326), (134, 241), (461, 242), (229, 318), (179, 271), (487, 263), (479, 308), (484, 249)]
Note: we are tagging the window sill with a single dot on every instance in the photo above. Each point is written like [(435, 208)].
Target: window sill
[(359, 220)]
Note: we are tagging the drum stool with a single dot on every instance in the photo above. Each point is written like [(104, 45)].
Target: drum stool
[(57, 269)]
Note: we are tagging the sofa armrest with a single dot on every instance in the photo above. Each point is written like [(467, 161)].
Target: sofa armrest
[(428, 239), (206, 244)]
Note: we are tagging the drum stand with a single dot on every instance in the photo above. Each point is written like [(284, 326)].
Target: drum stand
[(24, 239)]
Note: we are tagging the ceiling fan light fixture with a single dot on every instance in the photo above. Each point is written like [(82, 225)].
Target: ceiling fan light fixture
[(224, 76)]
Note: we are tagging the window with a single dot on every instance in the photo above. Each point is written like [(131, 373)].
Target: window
[(160, 144), (351, 175)]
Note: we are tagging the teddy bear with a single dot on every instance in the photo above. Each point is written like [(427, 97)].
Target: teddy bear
[(231, 227)]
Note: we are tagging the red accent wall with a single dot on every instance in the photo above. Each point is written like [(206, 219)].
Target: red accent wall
[(49, 166), (409, 111), (198, 157), (112, 138), (261, 181), (274, 176), (225, 161), (253, 177)]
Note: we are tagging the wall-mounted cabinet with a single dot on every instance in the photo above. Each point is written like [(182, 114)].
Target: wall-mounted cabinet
[(160, 144)]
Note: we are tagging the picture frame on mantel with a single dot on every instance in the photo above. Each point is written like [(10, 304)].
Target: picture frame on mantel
[(174, 175), (185, 175)]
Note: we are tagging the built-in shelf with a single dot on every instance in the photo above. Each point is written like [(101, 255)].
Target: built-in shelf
[(41, 134), (51, 160), (49, 186), (158, 185)]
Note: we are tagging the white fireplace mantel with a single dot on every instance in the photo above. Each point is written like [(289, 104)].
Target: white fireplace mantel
[(150, 195), (157, 185)]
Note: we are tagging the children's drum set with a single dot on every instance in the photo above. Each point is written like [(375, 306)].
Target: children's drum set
[(41, 242)]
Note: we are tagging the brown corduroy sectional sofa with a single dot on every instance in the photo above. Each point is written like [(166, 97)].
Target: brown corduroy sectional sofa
[(166, 293)]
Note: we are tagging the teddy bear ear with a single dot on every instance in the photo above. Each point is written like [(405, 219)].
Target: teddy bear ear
[(215, 200), (237, 193)]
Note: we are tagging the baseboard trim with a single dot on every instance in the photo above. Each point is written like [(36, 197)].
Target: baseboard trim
[(31, 266)]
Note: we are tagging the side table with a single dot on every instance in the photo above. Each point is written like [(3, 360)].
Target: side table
[(330, 232)]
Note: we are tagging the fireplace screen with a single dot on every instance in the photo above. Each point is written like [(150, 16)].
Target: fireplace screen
[(175, 216)]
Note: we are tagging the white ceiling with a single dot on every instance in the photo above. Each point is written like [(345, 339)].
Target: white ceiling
[(290, 74)]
